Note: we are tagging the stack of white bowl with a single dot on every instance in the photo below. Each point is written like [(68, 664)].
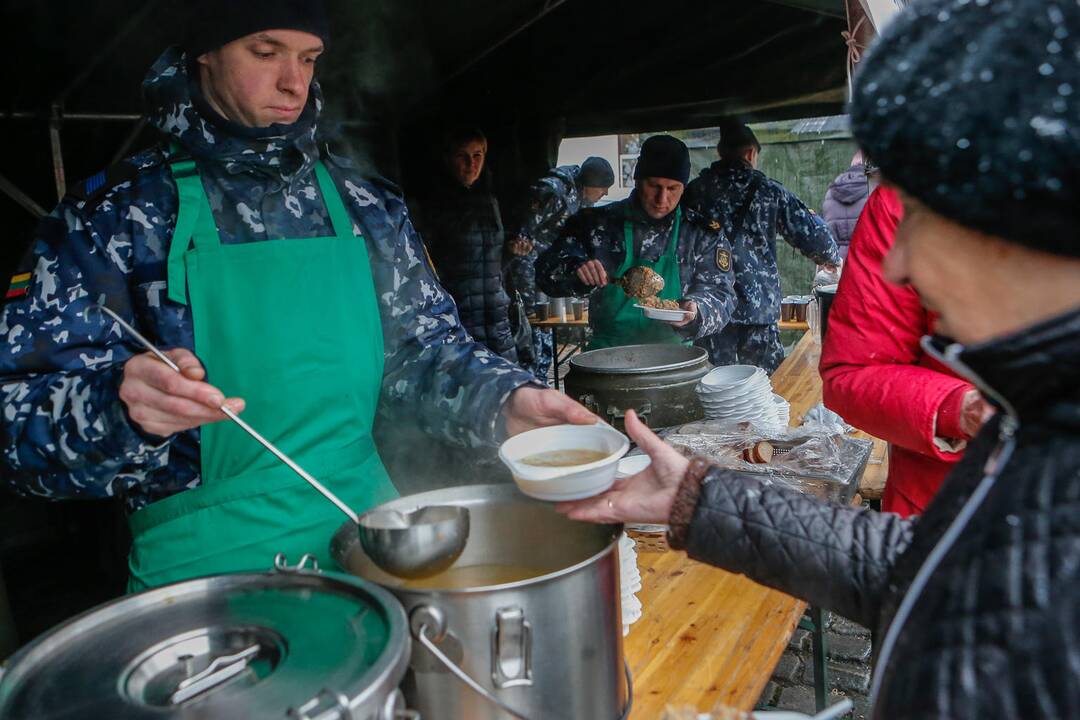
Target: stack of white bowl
[(742, 393), (630, 582), (629, 574)]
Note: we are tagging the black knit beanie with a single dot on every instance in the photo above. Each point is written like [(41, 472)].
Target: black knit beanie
[(213, 23), (596, 172), (663, 156), (973, 108)]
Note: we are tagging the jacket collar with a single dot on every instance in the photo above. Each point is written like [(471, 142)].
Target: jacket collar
[(1035, 372), (175, 105), (730, 165), (636, 214)]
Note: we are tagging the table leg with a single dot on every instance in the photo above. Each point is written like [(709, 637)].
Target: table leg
[(818, 618), (8, 639), (555, 360)]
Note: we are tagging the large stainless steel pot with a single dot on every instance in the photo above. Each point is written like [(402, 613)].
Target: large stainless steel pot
[(289, 644), (656, 381), (549, 646)]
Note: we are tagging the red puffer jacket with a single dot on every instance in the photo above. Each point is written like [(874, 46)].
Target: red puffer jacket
[(875, 373)]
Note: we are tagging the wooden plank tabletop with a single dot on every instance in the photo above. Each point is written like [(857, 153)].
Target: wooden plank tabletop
[(556, 322), (706, 635)]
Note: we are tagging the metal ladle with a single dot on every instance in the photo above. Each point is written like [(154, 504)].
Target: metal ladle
[(411, 545)]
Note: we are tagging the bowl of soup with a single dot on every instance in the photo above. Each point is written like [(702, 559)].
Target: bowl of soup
[(565, 462)]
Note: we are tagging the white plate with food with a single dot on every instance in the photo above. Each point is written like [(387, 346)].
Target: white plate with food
[(668, 315)]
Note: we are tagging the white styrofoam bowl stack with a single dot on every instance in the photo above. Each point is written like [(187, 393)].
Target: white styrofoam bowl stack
[(629, 574), (741, 393), (630, 582)]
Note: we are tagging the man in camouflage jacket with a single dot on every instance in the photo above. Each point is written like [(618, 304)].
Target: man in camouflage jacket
[(549, 203), (592, 246), (753, 209), (66, 432)]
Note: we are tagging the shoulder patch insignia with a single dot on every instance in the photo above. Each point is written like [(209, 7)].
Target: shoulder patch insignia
[(714, 224), (723, 259), (95, 183), (93, 189), (20, 286)]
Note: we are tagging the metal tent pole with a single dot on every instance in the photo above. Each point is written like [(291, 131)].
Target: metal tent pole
[(25, 201), (57, 152)]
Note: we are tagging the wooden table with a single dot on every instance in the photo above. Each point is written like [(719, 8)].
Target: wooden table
[(555, 324), (705, 635), (794, 325)]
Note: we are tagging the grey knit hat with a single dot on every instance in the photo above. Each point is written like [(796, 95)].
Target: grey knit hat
[(596, 172), (973, 108)]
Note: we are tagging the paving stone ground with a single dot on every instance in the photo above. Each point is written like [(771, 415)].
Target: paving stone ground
[(848, 663)]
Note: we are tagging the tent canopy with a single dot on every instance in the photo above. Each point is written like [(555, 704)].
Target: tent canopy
[(398, 71)]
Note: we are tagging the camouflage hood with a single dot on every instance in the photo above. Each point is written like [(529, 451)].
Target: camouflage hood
[(568, 174), (175, 105)]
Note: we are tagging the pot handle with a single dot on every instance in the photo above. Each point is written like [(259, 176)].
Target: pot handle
[(614, 412), (221, 669), (643, 412), (429, 624), (281, 564), (425, 619)]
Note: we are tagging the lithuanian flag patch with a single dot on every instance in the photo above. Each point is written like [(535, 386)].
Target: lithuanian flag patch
[(20, 286)]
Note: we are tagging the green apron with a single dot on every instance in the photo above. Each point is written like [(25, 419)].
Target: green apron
[(614, 319), (293, 327)]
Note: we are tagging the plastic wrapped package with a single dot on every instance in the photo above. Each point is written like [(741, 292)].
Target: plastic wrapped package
[(810, 459), (821, 420)]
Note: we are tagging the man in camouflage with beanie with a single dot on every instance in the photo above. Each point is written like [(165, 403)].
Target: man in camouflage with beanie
[(650, 228), (753, 209), (265, 265)]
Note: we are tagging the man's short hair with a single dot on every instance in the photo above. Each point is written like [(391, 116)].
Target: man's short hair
[(735, 138), (459, 136)]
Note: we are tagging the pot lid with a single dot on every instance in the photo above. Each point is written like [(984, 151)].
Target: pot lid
[(282, 644), (632, 359)]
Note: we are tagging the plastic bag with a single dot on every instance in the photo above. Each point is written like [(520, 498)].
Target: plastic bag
[(820, 420), (826, 277), (810, 459)]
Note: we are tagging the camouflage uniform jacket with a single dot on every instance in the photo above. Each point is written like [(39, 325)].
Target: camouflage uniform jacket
[(718, 193), (703, 253), (550, 202), (65, 432)]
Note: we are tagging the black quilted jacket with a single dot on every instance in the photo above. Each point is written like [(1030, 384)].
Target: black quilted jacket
[(463, 231), (995, 630)]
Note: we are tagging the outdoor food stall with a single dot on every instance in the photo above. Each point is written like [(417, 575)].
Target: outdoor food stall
[(476, 601)]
